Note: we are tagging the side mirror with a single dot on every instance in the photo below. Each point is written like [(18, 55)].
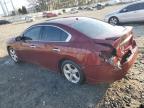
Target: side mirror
[(125, 10), (22, 38), (19, 38)]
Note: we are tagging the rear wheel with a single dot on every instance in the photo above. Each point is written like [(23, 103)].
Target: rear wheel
[(13, 55), (72, 72), (113, 21)]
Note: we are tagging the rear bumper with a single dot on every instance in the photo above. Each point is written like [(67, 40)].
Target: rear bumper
[(131, 60), (107, 72)]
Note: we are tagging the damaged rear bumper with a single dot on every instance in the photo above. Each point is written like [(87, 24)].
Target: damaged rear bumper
[(131, 60), (109, 73)]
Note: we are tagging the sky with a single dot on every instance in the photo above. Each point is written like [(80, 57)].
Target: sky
[(17, 4)]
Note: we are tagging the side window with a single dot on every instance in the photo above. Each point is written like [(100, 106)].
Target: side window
[(53, 34), (142, 5), (129, 8), (132, 8), (63, 36), (33, 33)]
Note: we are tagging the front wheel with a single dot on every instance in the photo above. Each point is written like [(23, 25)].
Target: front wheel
[(13, 55), (113, 21), (72, 72)]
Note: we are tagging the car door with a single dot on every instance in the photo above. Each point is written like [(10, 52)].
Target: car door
[(52, 46), (129, 13), (29, 44)]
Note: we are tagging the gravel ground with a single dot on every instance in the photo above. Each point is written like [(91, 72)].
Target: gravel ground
[(30, 86), (128, 92)]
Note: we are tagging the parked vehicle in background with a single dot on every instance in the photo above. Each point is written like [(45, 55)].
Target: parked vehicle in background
[(88, 8), (113, 2), (73, 11), (4, 22), (83, 49), (49, 14), (29, 19), (80, 8), (99, 6), (130, 13)]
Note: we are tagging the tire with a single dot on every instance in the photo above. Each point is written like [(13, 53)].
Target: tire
[(72, 72), (113, 21), (13, 55)]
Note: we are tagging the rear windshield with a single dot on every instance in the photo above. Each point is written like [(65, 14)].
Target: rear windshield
[(96, 29)]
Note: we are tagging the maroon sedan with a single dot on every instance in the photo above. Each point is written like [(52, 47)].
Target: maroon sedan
[(83, 49), (49, 14)]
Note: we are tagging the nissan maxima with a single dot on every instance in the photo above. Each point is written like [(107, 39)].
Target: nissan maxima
[(81, 48)]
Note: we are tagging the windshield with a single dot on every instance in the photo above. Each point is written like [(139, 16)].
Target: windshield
[(96, 29)]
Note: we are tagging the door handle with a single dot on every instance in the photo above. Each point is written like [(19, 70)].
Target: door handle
[(56, 49), (32, 46)]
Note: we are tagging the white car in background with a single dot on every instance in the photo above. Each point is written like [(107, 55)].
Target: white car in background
[(73, 11), (29, 19), (131, 13)]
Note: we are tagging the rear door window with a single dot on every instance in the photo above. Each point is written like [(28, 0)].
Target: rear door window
[(53, 34)]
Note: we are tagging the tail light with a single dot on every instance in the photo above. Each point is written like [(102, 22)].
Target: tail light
[(111, 58), (108, 54)]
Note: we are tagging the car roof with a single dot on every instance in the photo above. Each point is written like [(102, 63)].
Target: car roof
[(65, 20)]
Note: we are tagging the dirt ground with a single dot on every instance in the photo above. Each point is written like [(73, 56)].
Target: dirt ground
[(30, 86)]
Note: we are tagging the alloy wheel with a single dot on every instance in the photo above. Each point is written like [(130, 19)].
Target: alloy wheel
[(113, 21), (13, 55), (71, 72)]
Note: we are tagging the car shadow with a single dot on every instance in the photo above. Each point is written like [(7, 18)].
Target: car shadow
[(30, 86), (133, 23)]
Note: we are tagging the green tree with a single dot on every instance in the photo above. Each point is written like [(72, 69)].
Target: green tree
[(20, 11), (24, 10)]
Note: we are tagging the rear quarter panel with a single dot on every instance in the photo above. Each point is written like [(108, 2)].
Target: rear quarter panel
[(80, 49)]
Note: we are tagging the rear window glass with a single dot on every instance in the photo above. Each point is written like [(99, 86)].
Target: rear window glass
[(96, 29)]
